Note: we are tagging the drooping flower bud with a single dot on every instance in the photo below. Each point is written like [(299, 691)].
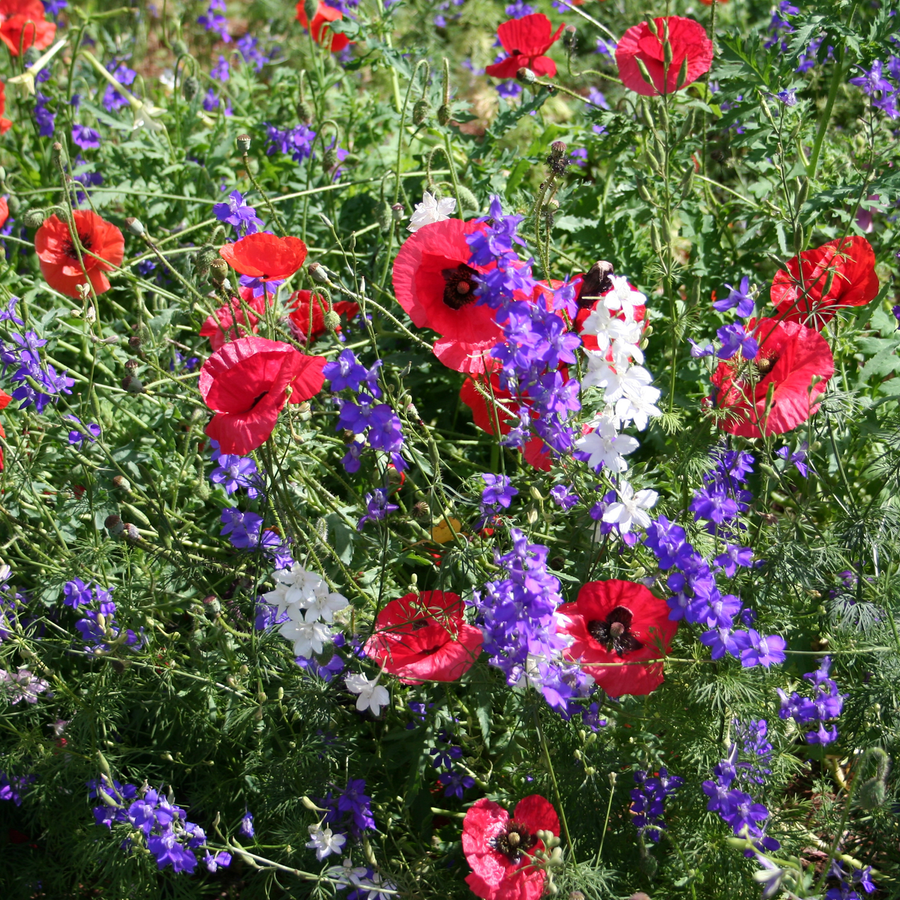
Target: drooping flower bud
[(526, 76)]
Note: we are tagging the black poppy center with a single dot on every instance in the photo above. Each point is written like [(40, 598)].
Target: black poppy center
[(513, 841), (459, 286), (253, 404), (69, 247), (614, 632)]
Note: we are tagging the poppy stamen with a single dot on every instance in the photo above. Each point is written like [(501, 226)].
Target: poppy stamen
[(513, 841), (458, 285), (614, 632)]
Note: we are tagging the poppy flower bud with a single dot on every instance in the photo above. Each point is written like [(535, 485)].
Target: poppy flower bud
[(114, 525), (190, 88), (383, 215), (134, 226), (243, 143), (34, 218), (133, 384), (421, 111), (570, 38), (310, 7), (13, 204), (526, 76), (304, 113), (443, 114), (179, 47), (205, 257), (332, 320), (218, 271), (467, 199), (329, 159)]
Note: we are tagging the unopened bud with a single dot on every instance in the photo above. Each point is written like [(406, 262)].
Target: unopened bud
[(243, 143), (421, 111), (134, 226), (14, 204), (190, 88), (56, 151), (443, 114), (570, 38), (329, 159), (218, 271), (179, 47), (383, 215), (134, 343), (526, 76), (34, 218), (310, 7), (467, 198), (304, 113), (398, 212), (131, 532), (332, 320)]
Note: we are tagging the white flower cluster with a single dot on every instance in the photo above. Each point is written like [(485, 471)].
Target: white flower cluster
[(431, 210), (616, 367), (305, 608)]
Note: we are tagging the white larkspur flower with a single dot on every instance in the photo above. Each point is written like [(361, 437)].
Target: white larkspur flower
[(431, 210), (298, 590), (372, 695), (606, 446), (622, 297), (307, 637), (346, 874), (324, 841), (629, 509), (22, 685)]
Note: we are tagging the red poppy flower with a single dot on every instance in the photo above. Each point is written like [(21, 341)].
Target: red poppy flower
[(435, 284), (320, 30), (59, 261), (4, 402), (790, 356), (502, 412), (617, 622), (688, 41), (5, 124), (246, 384), (422, 637), (500, 849), (4, 211), (22, 24), (526, 40), (307, 314), (230, 322), (265, 256), (818, 282)]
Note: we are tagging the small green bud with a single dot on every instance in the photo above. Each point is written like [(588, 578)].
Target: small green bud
[(329, 159), (34, 218), (304, 112), (179, 47), (383, 215), (570, 38), (443, 114), (332, 320), (310, 7), (32, 55), (190, 88), (14, 204), (218, 271), (421, 111), (467, 199), (206, 255)]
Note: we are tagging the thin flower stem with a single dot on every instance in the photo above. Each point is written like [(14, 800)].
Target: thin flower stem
[(557, 794)]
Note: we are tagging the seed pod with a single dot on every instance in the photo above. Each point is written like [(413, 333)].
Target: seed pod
[(191, 87), (420, 111), (655, 243), (121, 483), (318, 273), (526, 76), (398, 212), (133, 384), (243, 143), (131, 365), (134, 226), (114, 525)]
